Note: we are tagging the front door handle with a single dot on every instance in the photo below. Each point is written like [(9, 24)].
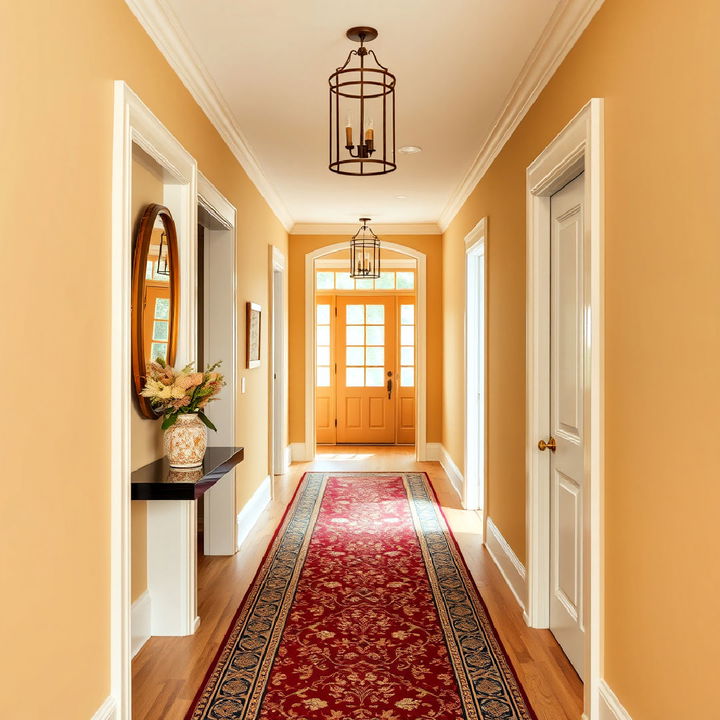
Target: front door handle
[(549, 445), (389, 388)]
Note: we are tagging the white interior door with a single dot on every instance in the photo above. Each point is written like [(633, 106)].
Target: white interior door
[(568, 366)]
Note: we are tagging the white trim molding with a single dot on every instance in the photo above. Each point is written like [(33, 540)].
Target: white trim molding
[(107, 711), (474, 367), (562, 31), (610, 707), (251, 511), (381, 229), (421, 384), (168, 35), (578, 148), (135, 125), (141, 622), (439, 453), (278, 371), (512, 570)]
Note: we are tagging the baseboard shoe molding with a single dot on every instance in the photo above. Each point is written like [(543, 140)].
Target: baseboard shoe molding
[(107, 711), (610, 707), (140, 622), (507, 561), (252, 509), (438, 453)]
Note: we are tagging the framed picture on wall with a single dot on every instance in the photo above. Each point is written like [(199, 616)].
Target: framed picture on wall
[(252, 334)]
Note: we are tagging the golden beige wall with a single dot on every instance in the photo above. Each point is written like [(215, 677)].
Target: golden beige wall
[(59, 62), (300, 245), (656, 63)]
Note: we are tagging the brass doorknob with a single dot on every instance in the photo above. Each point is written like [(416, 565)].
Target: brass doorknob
[(550, 444)]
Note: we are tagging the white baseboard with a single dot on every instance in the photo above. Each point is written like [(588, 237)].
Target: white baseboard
[(106, 711), (437, 452), (299, 453), (140, 622), (507, 561), (250, 513), (287, 458), (610, 706)]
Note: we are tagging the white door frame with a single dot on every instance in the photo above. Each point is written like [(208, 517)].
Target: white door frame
[(421, 383), (220, 526), (578, 148), (134, 123), (474, 489), (278, 382)]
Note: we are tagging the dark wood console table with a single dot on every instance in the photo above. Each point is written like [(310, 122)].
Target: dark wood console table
[(158, 481)]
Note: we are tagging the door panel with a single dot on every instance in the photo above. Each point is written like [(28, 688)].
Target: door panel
[(567, 378), (366, 410)]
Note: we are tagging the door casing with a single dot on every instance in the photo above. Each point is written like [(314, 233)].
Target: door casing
[(578, 148), (474, 486), (307, 453)]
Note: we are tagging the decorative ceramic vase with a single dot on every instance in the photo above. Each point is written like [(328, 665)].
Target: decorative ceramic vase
[(185, 442)]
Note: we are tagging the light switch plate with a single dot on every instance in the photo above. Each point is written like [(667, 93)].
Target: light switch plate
[(242, 385)]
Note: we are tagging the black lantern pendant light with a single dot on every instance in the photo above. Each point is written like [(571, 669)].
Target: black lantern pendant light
[(162, 261), (365, 252), (362, 96)]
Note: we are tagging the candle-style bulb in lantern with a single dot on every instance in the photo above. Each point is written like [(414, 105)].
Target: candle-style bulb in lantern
[(348, 133)]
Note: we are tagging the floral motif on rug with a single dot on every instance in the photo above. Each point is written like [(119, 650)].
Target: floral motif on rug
[(363, 609)]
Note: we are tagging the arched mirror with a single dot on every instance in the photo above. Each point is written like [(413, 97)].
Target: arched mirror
[(155, 296)]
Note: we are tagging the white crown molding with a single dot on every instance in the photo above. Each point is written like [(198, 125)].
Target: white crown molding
[(168, 35), (378, 228), (563, 30)]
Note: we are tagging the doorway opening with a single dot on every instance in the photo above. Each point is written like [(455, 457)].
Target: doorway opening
[(365, 352), (366, 365), (217, 340), (475, 368)]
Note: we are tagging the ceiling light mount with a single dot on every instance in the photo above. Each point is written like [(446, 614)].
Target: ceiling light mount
[(362, 34), (363, 91)]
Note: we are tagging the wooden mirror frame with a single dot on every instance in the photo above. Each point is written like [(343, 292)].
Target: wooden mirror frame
[(143, 239)]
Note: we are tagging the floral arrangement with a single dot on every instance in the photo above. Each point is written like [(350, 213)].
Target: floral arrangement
[(172, 393)]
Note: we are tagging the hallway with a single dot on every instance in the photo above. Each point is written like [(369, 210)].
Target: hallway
[(168, 671)]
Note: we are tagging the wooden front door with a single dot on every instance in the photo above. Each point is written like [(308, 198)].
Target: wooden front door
[(366, 380)]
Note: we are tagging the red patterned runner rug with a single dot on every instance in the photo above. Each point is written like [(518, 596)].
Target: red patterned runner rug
[(363, 609)]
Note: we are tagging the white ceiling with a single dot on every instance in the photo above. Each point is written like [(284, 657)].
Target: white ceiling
[(456, 63)]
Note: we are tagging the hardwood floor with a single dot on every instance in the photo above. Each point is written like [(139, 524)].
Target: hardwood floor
[(168, 671)]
